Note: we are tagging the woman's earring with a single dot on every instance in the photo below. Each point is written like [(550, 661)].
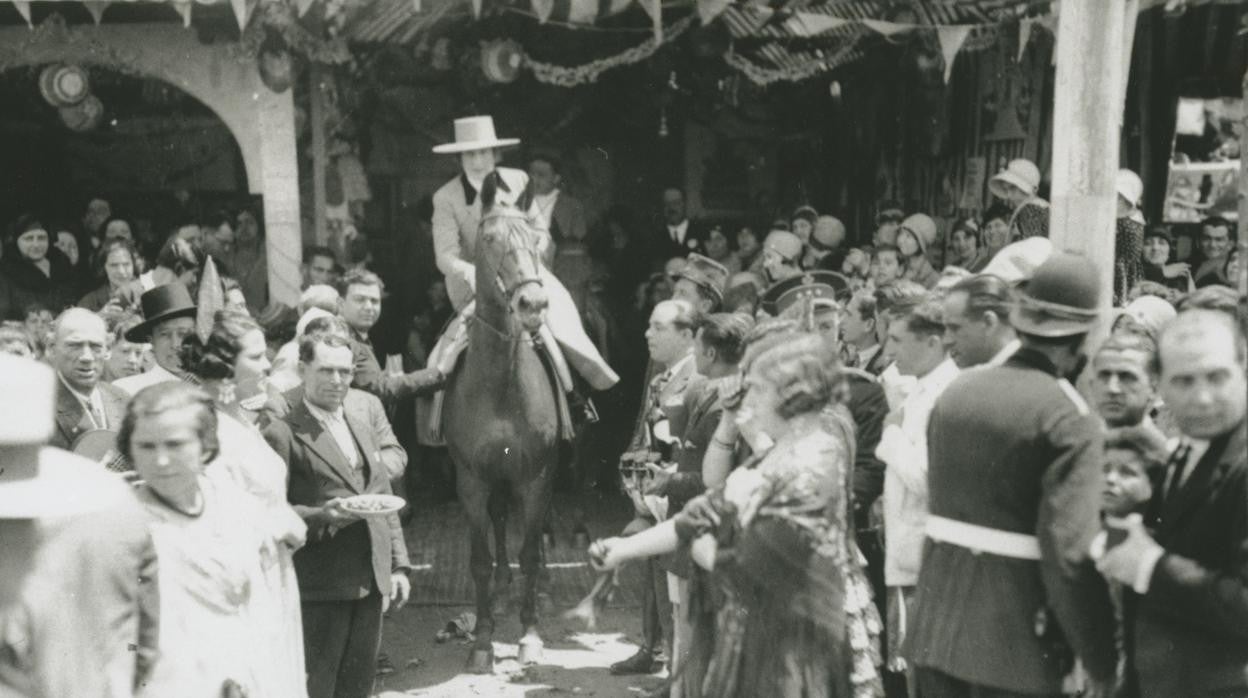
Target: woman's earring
[(226, 394)]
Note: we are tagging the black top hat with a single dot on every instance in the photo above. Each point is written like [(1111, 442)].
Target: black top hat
[(159, 304), (1062, 299)]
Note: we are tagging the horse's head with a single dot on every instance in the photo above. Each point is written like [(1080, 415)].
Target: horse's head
[(508, 246)]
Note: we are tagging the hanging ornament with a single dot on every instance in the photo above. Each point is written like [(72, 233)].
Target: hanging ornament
[(63, 85), (663, 123), (501, 60), (83, 116), (276, 67)]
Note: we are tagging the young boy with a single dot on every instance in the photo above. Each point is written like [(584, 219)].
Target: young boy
[(887, 265), (1127, 486)]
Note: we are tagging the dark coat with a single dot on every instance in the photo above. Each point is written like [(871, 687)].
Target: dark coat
[(1014, 448), (868, 406), (392, 452), (361, 556), (71, 417), (56, 291), (1190, 631), (660, 247), (97, 299), (370, 377)]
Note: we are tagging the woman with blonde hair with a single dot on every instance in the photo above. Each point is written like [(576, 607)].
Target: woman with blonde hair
[(776, 542)]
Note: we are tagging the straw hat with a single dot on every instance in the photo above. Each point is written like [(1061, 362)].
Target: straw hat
[(1021, 173), (1062, 299), (52, 482), (474, 133)]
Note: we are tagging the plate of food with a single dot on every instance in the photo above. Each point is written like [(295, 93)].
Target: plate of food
[(373, 504)]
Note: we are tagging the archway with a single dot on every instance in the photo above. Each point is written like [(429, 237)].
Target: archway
[(261, 122)]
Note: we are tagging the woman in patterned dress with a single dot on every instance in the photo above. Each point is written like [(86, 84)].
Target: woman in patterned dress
[(784, 607)]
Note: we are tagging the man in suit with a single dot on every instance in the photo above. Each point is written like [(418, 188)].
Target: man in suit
[(456, 223), (1187, 608), (718, 346), (1007, 594), (556, 211), (669, 338), (168, 318), (83, 401), (352, 568), (860, 331), (679, 235), (977, 322)]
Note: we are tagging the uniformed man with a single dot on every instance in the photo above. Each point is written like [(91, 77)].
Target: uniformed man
[(1007, 595)]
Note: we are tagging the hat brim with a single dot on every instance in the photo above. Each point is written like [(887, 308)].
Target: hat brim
[(701, 283), (1007, 177), (469, 146), (66, 485), (1039, 324), (142, 332)]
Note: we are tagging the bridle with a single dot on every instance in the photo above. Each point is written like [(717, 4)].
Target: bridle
[(517, 246)]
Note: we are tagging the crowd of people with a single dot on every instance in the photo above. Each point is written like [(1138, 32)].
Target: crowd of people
[(856, 469)]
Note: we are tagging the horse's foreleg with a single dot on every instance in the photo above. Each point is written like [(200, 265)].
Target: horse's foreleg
[(475, 496), (502, 561), (535, 499)]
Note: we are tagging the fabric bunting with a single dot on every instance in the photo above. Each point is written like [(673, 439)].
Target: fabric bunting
[(96, 8), (812, 24), (708, 10), (585, 12), (951, 40), (23, 9)]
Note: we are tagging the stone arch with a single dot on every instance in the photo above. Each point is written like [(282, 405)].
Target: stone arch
[(218, 75)]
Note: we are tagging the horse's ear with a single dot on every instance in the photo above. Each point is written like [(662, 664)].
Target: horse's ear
[(526, 197), (489, 191)]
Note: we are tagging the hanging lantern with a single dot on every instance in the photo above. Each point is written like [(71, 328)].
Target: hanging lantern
[(277, 70), (501, 60), (83, 116), (64, 85)]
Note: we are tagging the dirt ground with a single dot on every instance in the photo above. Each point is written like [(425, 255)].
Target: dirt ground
[(574, 661)]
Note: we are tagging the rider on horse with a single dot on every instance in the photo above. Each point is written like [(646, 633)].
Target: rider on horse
[(456, 218)]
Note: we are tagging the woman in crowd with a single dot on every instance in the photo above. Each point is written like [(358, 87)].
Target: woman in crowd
[(233, 368), (719, 249), (178, 261), (1157, 265), (802, 223), (117, 263), (968, 249), (996, 233), (1128, 235), (749, 250), (796, 617), (118, 229), (916, 235), (208, 538), (36, 270), (1145, 316)]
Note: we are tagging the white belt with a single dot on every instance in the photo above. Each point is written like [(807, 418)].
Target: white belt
[(981, 539)]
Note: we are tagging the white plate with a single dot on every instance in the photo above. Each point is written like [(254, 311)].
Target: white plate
[(373, 504)]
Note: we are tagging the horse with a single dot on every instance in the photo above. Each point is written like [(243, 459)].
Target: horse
[(501, 418)]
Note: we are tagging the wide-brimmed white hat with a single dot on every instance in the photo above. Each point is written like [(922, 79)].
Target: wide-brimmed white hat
[(51, 482), (1021, 173), (1129, 186), (474, 133)]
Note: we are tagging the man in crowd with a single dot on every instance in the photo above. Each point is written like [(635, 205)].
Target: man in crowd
[(1186, 564), (916, 345), (558, 212), (679, 235), (1007, 596), (1123, 381), (670, 339), (718, 346), (1216, 241), (893, 301), (169, 317), (78, 598), (360, 307), (320, 267), (888, 267), (859, 330), (700, 283), (84, 402), (977, 322), (352, 568)]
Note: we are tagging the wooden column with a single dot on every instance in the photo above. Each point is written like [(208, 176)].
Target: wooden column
[(1088, 104), (320, 156)]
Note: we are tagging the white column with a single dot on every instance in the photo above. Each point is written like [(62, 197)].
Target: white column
[(279, 186)]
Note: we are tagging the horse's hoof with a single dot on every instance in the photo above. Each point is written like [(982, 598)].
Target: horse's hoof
[(530, 650), (481, 661)]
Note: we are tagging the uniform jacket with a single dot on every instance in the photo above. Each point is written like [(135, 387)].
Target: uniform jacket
[(1015, 449), (1190, 631), (456, 218), (361, 556), (72, 418)]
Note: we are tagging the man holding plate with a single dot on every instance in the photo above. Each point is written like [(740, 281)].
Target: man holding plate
[(355, 562)]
